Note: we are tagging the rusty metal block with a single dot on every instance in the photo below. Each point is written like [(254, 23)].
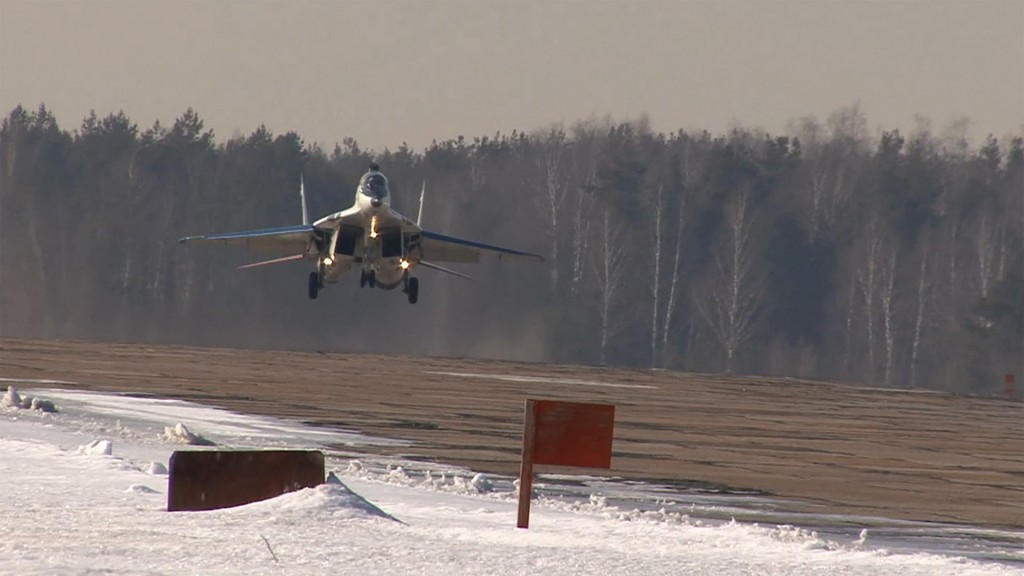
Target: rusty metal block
[(213, 479)]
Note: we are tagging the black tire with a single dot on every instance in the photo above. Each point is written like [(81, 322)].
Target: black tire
[(314, 285), (414, 290)]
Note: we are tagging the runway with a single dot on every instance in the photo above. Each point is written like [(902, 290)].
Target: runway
[(823, 448)]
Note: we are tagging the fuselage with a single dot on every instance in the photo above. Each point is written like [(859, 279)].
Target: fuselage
[(382, 242)]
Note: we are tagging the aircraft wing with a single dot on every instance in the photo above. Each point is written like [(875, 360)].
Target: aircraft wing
[(286, 240), (440, 248)]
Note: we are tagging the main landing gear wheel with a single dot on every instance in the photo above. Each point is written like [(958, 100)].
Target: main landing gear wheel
[(314, 285), (413, 290)]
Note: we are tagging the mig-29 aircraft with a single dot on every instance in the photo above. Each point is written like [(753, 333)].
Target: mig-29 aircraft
[(385, 245)]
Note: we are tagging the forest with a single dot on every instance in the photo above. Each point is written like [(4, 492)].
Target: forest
[(831, 252)]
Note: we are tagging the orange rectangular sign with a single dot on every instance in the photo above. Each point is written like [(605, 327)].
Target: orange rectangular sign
[(573, 434), (562, 434)]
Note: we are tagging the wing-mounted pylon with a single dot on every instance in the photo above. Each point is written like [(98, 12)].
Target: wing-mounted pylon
[(273, 261)]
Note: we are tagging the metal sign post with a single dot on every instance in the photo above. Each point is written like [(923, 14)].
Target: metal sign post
[(562, 434)]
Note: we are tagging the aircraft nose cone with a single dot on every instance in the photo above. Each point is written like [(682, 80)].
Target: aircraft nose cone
[(375, 202)]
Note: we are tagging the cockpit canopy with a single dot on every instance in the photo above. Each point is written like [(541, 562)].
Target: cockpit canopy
[(375, 185)]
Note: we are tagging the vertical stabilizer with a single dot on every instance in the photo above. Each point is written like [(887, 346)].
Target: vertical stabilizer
[(419, 216), (302, 194)]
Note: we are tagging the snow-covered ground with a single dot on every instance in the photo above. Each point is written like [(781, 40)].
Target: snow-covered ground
[(83, 491)]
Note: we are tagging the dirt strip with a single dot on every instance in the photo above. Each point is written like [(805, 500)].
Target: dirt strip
[(834, 448)]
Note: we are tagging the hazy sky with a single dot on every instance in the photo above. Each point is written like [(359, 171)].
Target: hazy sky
[(388, 72)]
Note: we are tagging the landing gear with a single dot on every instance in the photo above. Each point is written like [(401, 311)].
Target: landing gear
[(367, 277), (314, 285), (412, 289)]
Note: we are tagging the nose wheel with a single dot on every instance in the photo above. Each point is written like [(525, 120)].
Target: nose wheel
[(367, 277), (412, 290)]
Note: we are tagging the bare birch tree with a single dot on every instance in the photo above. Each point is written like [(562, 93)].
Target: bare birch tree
[(887, 299), (986, 241), (586, 150), (848, 342), (609, 267), (954, 245), (673, 286), (735, 291), (868, 274), (924, 287), (834, 158), (659, 208), (691, 166), (554, 187), (581, 232), (875, 281)]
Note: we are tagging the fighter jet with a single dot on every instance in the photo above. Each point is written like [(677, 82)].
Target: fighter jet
[(384, 245)]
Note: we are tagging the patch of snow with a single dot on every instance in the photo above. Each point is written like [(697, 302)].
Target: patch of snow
[(180, 434), (333, 499), (141, 489), (67, 514), (482, 483), (42, 405), (460, 482), (156, 469), (13, 399), (97, 448), (214, 421)]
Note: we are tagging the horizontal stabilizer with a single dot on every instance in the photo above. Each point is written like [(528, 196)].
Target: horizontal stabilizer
[(274, 261), (445, 270)]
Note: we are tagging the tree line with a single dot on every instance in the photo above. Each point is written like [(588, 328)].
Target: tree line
[(828, 252)]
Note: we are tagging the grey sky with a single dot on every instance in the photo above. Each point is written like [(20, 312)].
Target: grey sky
[(387, 72)]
